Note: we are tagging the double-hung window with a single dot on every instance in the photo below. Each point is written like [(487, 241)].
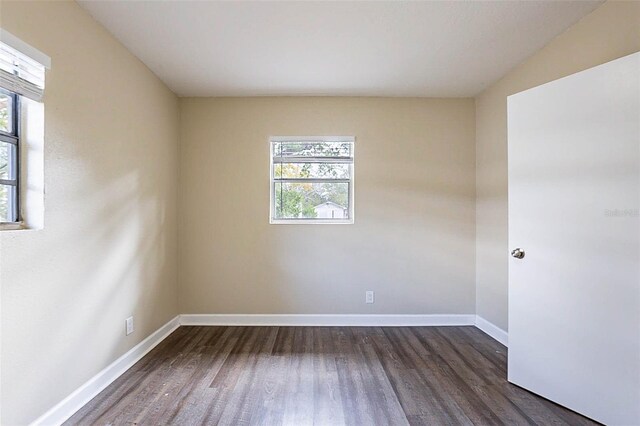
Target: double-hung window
[(9, 145), (312, 179), (22, 73)]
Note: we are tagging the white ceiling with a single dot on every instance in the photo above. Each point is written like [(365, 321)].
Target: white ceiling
[(431, 48)]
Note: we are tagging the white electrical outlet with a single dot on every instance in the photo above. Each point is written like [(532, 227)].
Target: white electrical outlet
[(129, 324), (368, 298)]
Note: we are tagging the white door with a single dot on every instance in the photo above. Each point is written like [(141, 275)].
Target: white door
[(574, 200)]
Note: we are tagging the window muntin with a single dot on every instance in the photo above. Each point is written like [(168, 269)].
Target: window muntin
[(312, 180), (9, 146)]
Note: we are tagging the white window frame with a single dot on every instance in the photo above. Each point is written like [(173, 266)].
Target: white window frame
[(14, 180), (22, 71), (272, 181)]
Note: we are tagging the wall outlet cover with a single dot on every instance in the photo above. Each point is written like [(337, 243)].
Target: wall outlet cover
[(129, 325), (369, 297)]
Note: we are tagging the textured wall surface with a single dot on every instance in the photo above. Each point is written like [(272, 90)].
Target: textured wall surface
[(108, 248), (413, 237)]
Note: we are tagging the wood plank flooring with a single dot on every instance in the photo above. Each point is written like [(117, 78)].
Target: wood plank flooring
[(323, 376)]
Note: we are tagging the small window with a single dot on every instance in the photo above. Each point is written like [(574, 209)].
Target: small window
[(22, 75), (9, 145), (311, 180)]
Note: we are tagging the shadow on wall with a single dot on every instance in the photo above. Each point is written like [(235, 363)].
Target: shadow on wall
[(117, 267), (108, 250)]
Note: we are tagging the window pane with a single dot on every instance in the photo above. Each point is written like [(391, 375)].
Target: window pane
[(312, 149), (7, 206), (7, 161), (311, 171), (311, 200), (6, 110)]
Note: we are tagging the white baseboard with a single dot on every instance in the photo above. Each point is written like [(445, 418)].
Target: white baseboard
[(72, 403), (326, 320), (492, 330)]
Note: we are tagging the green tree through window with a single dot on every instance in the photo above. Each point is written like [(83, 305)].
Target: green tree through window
[(308, 175)]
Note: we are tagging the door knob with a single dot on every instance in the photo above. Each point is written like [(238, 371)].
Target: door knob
[(518, 253)]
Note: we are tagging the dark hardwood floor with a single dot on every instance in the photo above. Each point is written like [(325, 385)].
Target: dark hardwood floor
[(323, 376)]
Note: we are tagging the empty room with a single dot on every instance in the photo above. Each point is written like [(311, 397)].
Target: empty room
[(319, 212)]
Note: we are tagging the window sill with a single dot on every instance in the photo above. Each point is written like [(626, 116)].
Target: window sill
[(311, 222), (13, 226)]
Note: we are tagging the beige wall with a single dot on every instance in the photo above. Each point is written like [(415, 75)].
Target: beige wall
[(610, 32), (413, 237), (108, 249)]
